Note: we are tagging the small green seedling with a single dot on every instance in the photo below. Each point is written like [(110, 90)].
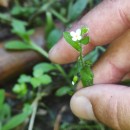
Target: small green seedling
[(77, 39)]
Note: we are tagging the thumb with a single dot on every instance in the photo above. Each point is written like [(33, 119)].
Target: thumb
[(106, 22), (106, 103)]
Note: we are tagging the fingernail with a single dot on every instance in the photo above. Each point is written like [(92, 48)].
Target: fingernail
[(82, 107)]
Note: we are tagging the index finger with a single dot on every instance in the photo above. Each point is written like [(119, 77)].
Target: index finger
[(106, 22)]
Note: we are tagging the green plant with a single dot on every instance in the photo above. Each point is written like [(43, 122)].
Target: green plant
[(39, 78), (7, 121), (30, 89), (83, 125), (77, 40)]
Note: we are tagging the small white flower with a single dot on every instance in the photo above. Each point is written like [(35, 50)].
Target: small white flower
[(76, 35)]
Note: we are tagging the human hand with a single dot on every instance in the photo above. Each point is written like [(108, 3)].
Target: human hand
[(105, 102)]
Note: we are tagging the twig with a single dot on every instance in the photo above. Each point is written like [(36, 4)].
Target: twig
[(58, 118), (35, 106)]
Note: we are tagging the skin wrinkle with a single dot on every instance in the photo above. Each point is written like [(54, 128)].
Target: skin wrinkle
[(125, 6), (124, 17), (113, 74), (113, 65), (118, 115), (120, 54), (119, 19), (115, 112), (107, 117), (120, 72), (123, 111), (109, 105)]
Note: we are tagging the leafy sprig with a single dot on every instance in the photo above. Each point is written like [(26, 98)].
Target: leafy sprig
[(77, 39)]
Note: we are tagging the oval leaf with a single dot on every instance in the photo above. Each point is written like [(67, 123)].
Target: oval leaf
[(53, 37), (74, 44), (76, 9), (42, 68), (85, 40), (24, 78), (17, 45), (45, 79), (86, 76), (84, 30), (15, 121), (63, 91)]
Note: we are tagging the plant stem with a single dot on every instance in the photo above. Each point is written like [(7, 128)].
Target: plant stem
[(81, 56), (33, 116), (59, 16), (35, 106), (63, 73), (45, 54), (40, 50)]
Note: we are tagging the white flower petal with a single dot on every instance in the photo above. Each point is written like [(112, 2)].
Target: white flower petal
[(74, 38), (79, 38), (78, 31), (72, 33)]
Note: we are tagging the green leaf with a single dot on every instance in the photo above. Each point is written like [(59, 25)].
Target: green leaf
[(16, 88), (30, 32), (49, 25), (27, 108), (45, 79), (42, 80), (53, 37), (24, 78), (76, 9), (35, 82), (94, 55), (63, 91), (18, 26), (16, 10), (5, 112), (85, 40), (86, 76), (20, 89), (68, 39), (26, 36), (5, 17), (17, 45), (42, 68), (73, 71), (84, 30), (22, 10), (2, 97), (15, 121)]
